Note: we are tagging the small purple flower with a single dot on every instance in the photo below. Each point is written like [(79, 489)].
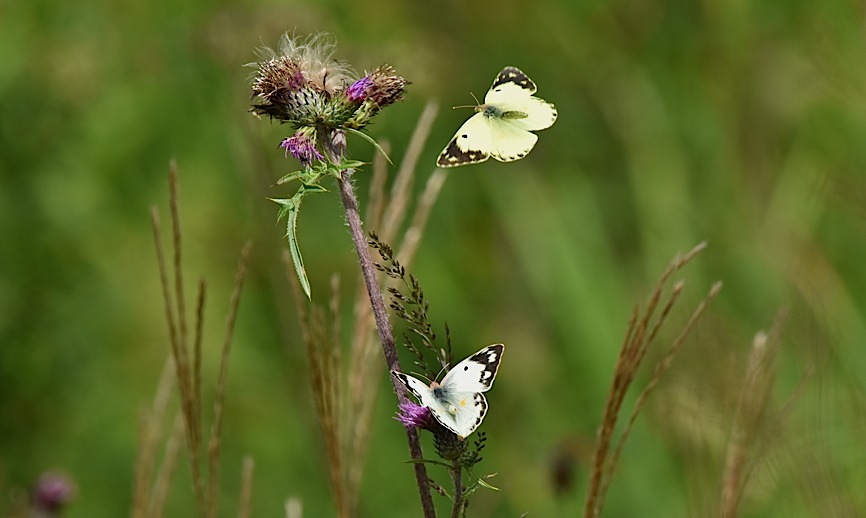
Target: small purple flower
[(414, 416), (358, 91), (302, 146), (52, 491)]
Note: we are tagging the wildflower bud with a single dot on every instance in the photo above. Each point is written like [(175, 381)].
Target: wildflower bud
[(338, 142), (448, 444), (51, 493), (302, 145)]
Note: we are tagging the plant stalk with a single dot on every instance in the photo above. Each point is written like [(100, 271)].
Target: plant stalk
[(457, 476), (377, 302)]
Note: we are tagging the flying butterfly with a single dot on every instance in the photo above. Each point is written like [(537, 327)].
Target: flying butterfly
[(502, 126), (458, 403)]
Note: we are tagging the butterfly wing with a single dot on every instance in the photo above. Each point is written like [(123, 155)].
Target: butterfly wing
[(461, 390), (509, 142), (417, 388), (470, 145), (476, 373), (464, 411), (512, 94), (441, 408)]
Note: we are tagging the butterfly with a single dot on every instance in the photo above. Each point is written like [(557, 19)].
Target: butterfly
[(502, 125), (458, 403)]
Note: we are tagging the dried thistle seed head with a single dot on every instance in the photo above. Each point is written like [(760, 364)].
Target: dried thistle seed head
[(315, 57), (295, 83), (387, 86), (379, 88)]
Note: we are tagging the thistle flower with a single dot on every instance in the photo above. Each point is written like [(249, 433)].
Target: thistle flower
[(412, 415), (303, 84), (51, 492), (302, 145)]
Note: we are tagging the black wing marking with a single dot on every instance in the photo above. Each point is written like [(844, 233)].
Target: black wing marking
[(516, 76), (489, 357), (453, 156)]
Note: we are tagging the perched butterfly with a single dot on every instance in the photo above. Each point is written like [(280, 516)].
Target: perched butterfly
[(458, 403), (502, 126)]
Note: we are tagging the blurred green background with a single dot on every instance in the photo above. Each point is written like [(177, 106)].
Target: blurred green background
[(736, 122)]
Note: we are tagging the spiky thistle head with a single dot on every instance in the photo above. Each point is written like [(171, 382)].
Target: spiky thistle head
[(301, 83)]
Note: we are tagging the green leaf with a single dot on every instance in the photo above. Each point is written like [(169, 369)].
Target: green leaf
[(291, 208), (294, 175), (371, 141), (480, 480)]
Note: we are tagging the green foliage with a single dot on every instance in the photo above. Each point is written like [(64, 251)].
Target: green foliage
[(739, 123)]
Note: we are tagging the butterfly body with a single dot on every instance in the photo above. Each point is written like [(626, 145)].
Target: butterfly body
[(502, 126), (458, 402)]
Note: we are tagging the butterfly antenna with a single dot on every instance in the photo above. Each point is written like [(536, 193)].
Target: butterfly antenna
[(476, 105), (441, 371)]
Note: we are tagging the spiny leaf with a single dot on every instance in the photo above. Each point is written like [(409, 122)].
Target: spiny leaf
[(290, 208)]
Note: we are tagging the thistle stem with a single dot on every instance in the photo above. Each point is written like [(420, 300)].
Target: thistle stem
[(350, 203), (457, 476)]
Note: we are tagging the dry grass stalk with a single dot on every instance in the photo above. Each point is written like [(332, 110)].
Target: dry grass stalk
[(660, 370), (640, 333), (156, 505), (322, 346), (149, 438), (216, 428), (177, 336), (294, 508), (244, 508), (750, 416), (188, 380)]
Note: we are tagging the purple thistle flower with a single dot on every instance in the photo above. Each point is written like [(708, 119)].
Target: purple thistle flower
[(358, 91), (52, 492), (412, 415), (302, 146)]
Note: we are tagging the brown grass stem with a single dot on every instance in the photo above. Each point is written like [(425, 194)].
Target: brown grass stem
[(219, 400), (643, 327), (750, 415), (660, 370), (149, 435), (170, 458), (246, 498), (180, 356), (394, 214), (350, 203)]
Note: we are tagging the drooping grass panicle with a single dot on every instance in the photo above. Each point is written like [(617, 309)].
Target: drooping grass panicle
[(410, 305), (642, 329)]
